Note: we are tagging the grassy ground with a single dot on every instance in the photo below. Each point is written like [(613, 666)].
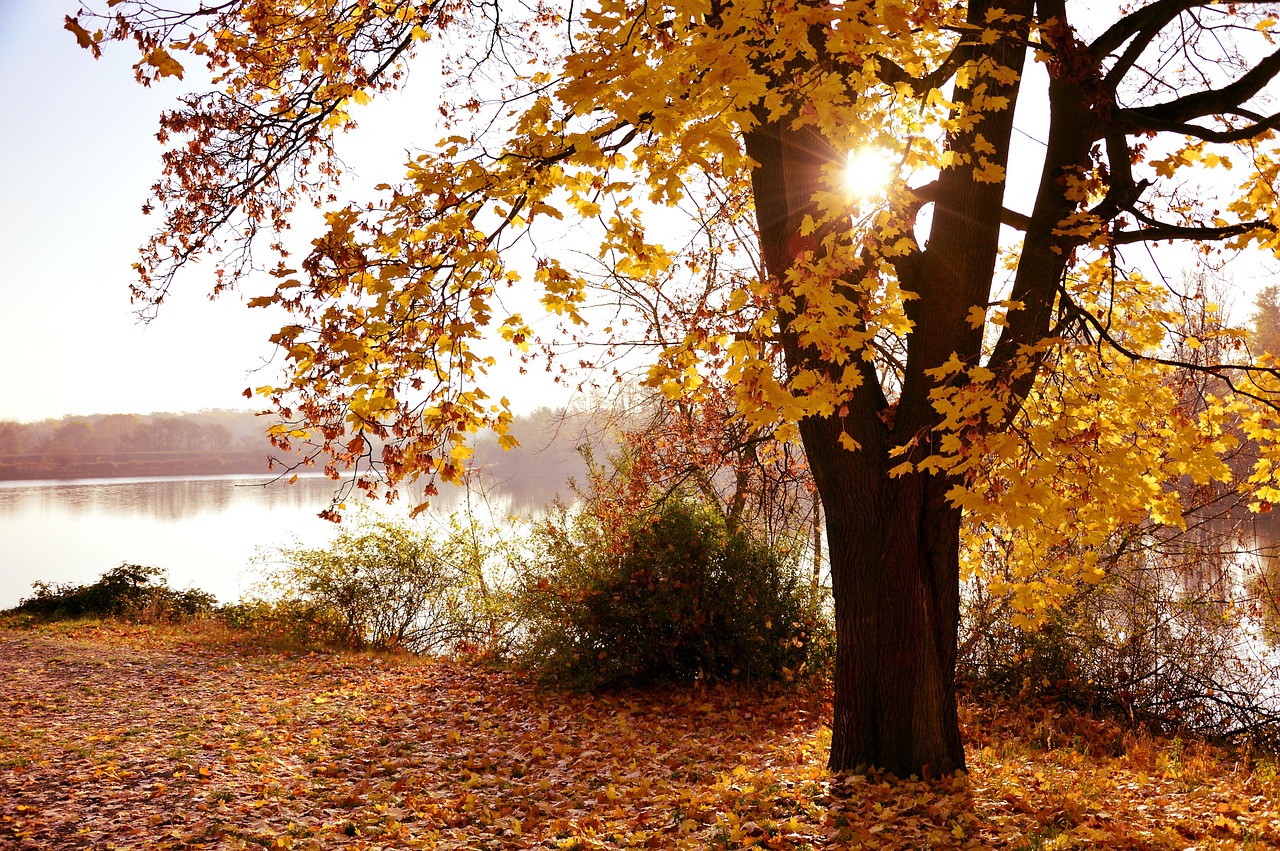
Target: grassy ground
[(142, 737)]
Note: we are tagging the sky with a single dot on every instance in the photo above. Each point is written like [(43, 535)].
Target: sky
[(77, 157)]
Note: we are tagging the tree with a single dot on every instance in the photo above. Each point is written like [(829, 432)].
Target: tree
[(940, 357), (1266, 320), (757, 484), (72, 438)]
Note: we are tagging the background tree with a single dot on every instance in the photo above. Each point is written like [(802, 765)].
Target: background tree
[(757, 484), (939, 356), (1266, 320)]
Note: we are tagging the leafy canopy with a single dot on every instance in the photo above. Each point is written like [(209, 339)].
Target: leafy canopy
[(627, 120)]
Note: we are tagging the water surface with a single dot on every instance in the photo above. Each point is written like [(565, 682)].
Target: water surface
[(204, 531)]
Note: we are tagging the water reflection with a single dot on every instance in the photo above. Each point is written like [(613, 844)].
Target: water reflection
[(203, 531), (1264, 582), (161, 499), (176, 499)]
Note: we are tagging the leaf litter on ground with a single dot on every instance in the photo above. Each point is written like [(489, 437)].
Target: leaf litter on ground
[(143, 737)]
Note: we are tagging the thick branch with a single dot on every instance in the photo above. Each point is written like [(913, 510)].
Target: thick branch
[(1210, 102), (928, 193), (1146, 23), (893, 74), (1135, 119), (1072, 126), (1159, 230), (1142, 25)]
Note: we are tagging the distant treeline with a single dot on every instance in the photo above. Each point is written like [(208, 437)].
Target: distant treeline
[(221, 441), (109, 445)]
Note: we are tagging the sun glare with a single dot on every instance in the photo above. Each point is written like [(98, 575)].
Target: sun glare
[(867, 173)]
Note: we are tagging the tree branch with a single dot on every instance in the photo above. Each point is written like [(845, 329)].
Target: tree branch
[(1145, 24), (1161, 230), (1135, 120), (1211, 101), (1221, 371)]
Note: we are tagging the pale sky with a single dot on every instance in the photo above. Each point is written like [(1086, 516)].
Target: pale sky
[(77, 156)]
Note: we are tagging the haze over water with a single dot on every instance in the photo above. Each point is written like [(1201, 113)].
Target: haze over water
[(203, 531)]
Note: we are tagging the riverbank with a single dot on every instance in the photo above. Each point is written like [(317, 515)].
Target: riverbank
[(163, 737)]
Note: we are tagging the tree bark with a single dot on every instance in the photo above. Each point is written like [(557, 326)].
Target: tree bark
[(893, 545)]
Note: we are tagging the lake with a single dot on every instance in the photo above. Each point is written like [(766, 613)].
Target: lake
[(203, 531)]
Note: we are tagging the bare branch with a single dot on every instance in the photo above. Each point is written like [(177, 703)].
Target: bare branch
[(1210, 102), (1228, 373)]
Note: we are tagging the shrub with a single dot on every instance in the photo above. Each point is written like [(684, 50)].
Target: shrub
[(285, 622), (670, 596), (387, 583), (130, 591), (1166, 639)]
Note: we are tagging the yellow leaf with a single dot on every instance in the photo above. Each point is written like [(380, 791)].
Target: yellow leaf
[(165, 65), (903, 469), (988, 172)]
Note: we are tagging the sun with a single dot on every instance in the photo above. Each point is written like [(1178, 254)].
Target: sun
[(867, 172)]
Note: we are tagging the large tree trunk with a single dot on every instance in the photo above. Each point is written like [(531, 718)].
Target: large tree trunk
[(893, 544), (894, 541)]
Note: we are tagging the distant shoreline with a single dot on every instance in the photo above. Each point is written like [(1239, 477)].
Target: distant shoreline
[(131, 465)]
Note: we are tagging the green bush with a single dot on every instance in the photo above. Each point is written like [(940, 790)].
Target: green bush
[(130, 591), (285, 622), (387, 583), (670, 596)]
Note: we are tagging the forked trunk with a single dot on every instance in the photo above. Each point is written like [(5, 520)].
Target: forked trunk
[(894, 541)]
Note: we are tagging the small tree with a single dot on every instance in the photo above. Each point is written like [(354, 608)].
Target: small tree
[(758, 484)]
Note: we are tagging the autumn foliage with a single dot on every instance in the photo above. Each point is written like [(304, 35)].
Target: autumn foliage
[(982, 349)]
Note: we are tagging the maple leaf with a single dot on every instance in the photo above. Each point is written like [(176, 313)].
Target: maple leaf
[(83, 36), (164, 63)]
